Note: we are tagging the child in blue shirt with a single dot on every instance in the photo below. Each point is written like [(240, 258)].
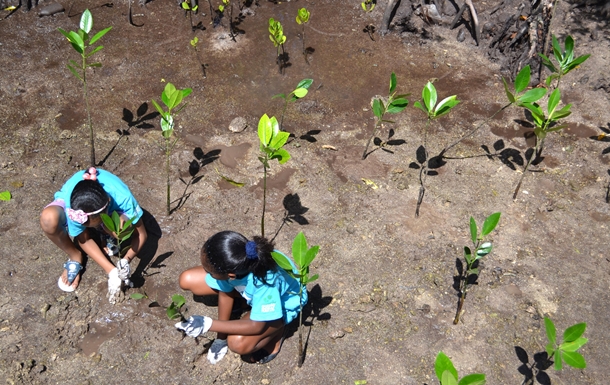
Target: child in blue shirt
[(76, 208), (234, 267)]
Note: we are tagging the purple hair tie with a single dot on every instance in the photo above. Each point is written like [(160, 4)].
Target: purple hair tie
[(251, 252)]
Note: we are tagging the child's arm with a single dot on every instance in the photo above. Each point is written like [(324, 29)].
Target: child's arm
[(138, 238), (91, 248), (225, 306)]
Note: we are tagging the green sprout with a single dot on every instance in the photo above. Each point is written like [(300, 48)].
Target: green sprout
[(302, 18), (565, 60), (303, 256), (81, 42), (277, 37), (171, 97), (368, 5), (567, 350), (298, 93), (394, 105), (271, 142), (448, 375), (120, 230), (469, 275), (174, 310), (5, 195)]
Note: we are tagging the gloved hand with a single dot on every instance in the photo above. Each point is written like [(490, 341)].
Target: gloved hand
[(195, 325), (114, 285), (217, 351), (124, 271)]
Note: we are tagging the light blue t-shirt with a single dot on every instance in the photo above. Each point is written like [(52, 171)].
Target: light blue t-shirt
[(277, 297), (121, 199)]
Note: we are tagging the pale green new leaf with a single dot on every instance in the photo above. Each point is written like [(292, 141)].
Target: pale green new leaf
[(86, 21), (300, 92), (265, 130), (443, 364), (573, 345), (429, 96), (5, 195), (574, 359), (299, 249), (446, 105), (473, 379), (447, 378), (310, 255), (281, 155), (281, 260)]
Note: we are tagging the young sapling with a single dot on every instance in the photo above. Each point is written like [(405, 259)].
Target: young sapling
[(303, 257), (271, 142), (565, 60), (171, 97), (82, 43), (368, 5), (194, 43), (119, 230), (302, 18), (432, 111), (448, 375), (174, 310), (567, 350), (298, 93), (468, 276), (394, 105), (277, 37)]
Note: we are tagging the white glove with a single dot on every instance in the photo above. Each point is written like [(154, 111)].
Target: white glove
[(114, 285), (195, 325), (217, 351), (124, 271)]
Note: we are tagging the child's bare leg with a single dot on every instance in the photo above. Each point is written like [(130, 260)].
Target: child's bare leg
[(51, 220), (193, 280), (269, 340)]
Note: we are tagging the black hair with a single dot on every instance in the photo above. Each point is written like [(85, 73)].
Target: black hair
[(89, 196), (226, 253)]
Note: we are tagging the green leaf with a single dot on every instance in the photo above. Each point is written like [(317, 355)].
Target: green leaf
[(98, 48), (299, 249), (378, 108), (569, 52), (558, 360), (77, 42), (94, 65), (447, 378), (509, 95), (281, 155), (74, 72), (420, 106), (547, 63), (5, 195), (550, 349), (86, 21), (443, 364), (554, 99), (98, 35), (397, 105), (473, 271), (490, 224), (300, 92), (265, 130), (313, 278), (551, 332), (574, 359), (565, 111), (281, 260), (279, 140), (473, 379), (429, 96), (468, 255), (557, 50), (137, 296), (574, 332), (172, 312), (473, 230), (108, 222), (305, 83), (392, 82), (573, 346), (532, 95), (178, 300), (576, 62), (446, 105), (310, 255), (523, 79)]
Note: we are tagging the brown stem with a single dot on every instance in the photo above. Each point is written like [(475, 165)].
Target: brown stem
[(301, 353), (264, 198)]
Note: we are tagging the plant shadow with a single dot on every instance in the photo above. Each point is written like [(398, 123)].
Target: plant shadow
[(139, 120), (148, 251), (293, 212), (536, 371), (385, 145), (309, 136), (201, 159), (312, 311)]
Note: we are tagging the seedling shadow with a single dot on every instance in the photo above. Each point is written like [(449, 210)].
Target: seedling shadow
[(148, 251), (201, 159), (384, 145), (283, 61), (536, 371), (462, 276), (313, 311), (293, 212), (309, 136), (139, 121)]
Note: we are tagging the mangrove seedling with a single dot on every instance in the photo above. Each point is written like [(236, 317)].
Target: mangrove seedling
[(368, 5), (191, 7), (302, 18), (120, 229), (298, 93), (277, 37), (448, 375), (83, 44), (565, 60), (272, 139), (194, 43), (171, 97), (303, 256), (566, 351), (174, 310), (394, 105), (432, 111), (468, 276)]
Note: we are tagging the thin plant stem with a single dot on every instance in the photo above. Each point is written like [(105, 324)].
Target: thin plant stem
[(423, 172), (537, 151), (92, 139), (264, 197), (167, 161), (301, 353), (366, 149)]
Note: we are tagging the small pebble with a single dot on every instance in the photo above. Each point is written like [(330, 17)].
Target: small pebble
[(238, 124), (461, 36), (50, 9)]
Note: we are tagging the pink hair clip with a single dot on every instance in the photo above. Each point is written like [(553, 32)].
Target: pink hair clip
[(79, 216), (90, 174)]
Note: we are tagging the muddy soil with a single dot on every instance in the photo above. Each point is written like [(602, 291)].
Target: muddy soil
[(384, 304)]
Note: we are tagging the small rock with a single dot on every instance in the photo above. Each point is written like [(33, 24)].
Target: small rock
[(66, 134), (238, 124), (50, 9), (461, 36), (337, 334)]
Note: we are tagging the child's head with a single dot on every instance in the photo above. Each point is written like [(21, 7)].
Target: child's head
[(87, 201), (229, 252)]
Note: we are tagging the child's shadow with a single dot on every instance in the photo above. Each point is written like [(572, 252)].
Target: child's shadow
[(147, 253)]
